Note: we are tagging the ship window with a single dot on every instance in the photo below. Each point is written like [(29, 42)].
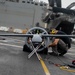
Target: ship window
[(45, 4), (23, 1), (41, 4), (17, 0), (28, 2), (32, 2), (13, 0), (36, 3)]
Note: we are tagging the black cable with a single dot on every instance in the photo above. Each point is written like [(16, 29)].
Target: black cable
[(70, 65)]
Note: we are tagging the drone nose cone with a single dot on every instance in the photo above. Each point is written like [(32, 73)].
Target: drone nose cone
[(36, 38)]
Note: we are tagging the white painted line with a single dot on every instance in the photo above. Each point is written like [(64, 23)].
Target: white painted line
[(11, 45), (45, 67), (11, 40)]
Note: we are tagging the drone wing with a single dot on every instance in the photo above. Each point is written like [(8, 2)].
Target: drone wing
[(31, 35), (18, 35), (50, 35)]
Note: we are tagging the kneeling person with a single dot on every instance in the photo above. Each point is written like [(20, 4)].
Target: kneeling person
[(60, 45)]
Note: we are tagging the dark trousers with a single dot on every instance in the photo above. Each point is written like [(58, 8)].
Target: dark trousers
[(60, 48)]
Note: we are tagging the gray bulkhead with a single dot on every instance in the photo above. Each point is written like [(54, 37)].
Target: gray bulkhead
[(22, 14)]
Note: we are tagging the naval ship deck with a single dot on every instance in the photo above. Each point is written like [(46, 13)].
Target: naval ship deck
[(13, 61)]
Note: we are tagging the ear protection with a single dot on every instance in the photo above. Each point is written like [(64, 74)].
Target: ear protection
[(53, 31)]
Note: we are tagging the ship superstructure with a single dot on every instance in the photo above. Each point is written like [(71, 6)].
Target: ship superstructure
[(21, 13)]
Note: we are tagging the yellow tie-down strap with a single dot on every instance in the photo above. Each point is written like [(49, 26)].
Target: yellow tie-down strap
[(67, 68)]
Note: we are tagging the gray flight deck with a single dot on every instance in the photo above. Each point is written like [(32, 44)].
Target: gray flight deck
[(13, 61)]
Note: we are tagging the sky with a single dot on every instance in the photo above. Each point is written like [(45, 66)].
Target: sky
[(65, 3)]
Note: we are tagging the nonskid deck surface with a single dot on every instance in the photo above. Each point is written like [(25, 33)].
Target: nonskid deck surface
[(13, 61)]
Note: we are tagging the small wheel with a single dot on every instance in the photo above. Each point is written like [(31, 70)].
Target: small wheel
[(26, 48)]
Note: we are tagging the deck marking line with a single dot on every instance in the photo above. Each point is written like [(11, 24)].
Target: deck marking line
[(11, 45), (42, 62), (44, 67)]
